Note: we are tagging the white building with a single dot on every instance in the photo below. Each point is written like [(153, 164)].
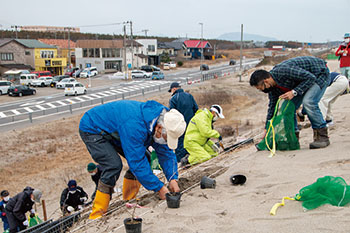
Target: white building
[(150, 49)]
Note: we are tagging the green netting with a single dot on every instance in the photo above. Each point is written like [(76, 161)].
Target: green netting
[(326, 190), (282, 125), (154, 161), (34, 221)]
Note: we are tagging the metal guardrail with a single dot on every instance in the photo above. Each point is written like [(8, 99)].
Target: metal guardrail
[(36, 227)]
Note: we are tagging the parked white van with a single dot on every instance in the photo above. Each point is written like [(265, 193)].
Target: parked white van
[(27, 79), (4, 86)]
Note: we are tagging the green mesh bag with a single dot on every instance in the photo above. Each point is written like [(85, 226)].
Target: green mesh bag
[(326, 190), (280, 129), (154, 161)]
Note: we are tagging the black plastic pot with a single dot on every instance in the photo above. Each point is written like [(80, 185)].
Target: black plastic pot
[(238, 179), (207, 183), (133, 226), (173, 200)]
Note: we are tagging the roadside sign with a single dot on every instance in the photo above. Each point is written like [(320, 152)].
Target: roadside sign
[(88, 65)]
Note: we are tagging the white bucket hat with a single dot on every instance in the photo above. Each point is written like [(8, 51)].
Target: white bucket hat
[(216, 108), (175, 126)]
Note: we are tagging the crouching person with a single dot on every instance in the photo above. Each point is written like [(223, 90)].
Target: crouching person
[(72, 198), (127, 128), (19, 205), (197, 138)]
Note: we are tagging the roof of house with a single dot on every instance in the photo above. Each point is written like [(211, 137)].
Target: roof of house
[(4, 40), (105, 43), (29, 43), (17, 66), (170, 45), (63, 44), (197, 44)]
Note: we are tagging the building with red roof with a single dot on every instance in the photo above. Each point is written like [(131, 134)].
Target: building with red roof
[(195, 47)]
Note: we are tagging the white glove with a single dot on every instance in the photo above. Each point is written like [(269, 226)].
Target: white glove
[(70, 209), (32, 211), (26, 223), (80, 207), (83, 199)]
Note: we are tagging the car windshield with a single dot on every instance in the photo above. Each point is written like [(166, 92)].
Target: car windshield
[(69, 85), (56, 78), (41, 79), (65, 80), (85, 70)]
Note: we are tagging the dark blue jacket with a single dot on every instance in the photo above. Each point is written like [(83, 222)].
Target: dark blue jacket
[(184, 103), (134, 122)]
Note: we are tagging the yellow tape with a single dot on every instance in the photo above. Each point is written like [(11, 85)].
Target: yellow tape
[(275, 206)]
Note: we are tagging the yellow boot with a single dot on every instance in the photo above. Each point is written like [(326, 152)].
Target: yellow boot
[(100, 205), (130, 188)]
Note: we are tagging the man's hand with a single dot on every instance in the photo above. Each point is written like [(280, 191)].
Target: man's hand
[(164, 190), (287, 96), (174, 187), (25, 223), (83, 199)]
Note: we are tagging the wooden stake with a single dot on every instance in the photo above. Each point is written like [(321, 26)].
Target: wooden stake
[(44, 210)]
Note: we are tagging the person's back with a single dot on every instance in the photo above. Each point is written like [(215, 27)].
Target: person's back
[(21, 203), (184, 103)]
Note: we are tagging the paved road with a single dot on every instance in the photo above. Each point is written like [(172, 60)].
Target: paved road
[(24, 111)]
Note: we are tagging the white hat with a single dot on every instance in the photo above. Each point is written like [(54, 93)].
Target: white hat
[(216, 108), (175, 126)]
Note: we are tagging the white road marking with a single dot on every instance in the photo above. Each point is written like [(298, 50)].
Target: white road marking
[(40, 107), (51, 105), (103, 94), (109, 92), (61, 103), (2, 114), (80, 99), (28, 109), (16, 112), (70, 101), (32, 103), (89, 97), (95, 95)]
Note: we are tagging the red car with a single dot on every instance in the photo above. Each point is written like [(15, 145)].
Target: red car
[(70, 72), (42, 73)]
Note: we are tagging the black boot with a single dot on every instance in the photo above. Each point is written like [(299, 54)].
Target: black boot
[(321, 138)]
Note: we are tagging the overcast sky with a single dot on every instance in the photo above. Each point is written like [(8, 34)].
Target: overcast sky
[(297, 20)]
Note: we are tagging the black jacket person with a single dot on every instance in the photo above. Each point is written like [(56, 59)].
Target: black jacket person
[(72, 197), (19, 205)]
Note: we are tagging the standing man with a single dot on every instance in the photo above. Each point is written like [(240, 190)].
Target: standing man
[(344, 56), (5, 197), (302, 80), (187, 106), (197, 138), (72, 197), (17, 207), (127, 128)]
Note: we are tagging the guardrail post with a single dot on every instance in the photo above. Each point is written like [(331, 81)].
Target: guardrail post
[(70, 109), (13, 118), (102, 100), (143, 91), (30, 117), (123, 96), (159, 88)]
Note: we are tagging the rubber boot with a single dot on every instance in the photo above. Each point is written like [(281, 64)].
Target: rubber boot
[(321, 138), (130, 188), (100, 205)]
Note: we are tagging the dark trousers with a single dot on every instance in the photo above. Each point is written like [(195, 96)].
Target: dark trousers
[(104, 153), (15, 224), (180, 151)]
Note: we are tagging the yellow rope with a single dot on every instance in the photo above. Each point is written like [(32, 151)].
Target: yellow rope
[(275, 206)]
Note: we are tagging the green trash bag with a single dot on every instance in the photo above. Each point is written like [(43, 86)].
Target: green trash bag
[(326, 190), (154, 161), (34, 221), (280, 133)]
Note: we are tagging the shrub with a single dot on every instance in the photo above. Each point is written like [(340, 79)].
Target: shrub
[(180, 63)]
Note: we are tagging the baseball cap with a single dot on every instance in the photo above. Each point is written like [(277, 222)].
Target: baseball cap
[(175, 126), (174, 84), (72, 185), (91, 167), (37, 195)]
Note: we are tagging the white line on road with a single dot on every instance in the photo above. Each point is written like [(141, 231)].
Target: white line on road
[(109, 92), (95, 95), (89, 97), (103, 94), (2, 114), (61, 103), (70, 101), (51, 105), (40, 107), (16, 112), (80, 99), (28, 109)]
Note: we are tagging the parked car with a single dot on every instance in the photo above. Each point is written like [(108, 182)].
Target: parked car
[(27, 79), (150, 68), (76, 74), (157, 75), (74, 89), (71, 71), (4, 86), (20, 90), (89, 72), (63, 82), (42, 73), (232, 62), (57, 79), (42, 82), (140, 74), (204, 67)]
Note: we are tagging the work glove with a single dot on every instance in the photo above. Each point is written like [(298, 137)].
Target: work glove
[(80, 207), (32, 211), (215, 148), (25, 223), (3, 214), (220, 138), (70, 209), (83, 199)]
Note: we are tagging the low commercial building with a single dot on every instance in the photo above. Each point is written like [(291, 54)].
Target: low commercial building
[(63, 46), (150, 49)]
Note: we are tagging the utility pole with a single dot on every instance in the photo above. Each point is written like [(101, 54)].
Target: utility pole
[(201, 45), (145, 31), (69, 58), (240, 55), (124, 51), (132, 46), (15, 27)]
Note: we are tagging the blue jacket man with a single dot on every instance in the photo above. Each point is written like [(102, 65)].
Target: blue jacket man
[(187, 106), (5, 196), (127, 128)]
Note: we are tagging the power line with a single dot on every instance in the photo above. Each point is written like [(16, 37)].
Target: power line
[(100, 25)]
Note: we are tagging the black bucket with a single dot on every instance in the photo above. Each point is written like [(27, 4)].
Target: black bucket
[(173, 200), (133, 226), (207, 183)]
